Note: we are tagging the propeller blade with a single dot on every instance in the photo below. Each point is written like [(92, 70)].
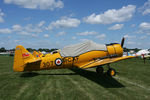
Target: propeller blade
[(122, 42)]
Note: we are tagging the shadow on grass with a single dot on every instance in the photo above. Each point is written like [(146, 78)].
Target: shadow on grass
[(103, 80), (29, 74), (32, 74)]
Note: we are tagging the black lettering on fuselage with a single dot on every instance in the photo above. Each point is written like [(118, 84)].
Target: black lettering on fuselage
[(67, 60), (44, 64), (48, 64), (70, 59), (51, 63)]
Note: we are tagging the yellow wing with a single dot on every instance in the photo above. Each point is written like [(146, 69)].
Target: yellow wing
[(104, 61)]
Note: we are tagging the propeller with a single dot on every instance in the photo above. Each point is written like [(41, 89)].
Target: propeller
[(122, 42)]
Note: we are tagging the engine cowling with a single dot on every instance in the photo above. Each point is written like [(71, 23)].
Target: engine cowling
[(115, 50)]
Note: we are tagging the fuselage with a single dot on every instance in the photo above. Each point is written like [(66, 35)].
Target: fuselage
[(50, 62)]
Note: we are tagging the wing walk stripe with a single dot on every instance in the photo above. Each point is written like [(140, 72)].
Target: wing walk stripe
[(90, 63)]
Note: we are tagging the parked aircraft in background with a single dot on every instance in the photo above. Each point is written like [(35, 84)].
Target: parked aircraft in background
[(145, 53), (37, 54), (43, 53)]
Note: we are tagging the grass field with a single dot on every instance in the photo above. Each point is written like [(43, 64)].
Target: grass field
[(132, 82)]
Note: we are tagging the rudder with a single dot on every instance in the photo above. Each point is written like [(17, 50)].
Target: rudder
[(21, 57)]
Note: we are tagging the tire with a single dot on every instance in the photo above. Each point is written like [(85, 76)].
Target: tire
[(111, 72), (99, 70)]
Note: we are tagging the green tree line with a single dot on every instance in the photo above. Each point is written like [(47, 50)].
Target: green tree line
[(2, 49)]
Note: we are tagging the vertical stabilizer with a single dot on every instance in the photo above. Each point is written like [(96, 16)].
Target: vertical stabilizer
[(35, 54), (21, 57)]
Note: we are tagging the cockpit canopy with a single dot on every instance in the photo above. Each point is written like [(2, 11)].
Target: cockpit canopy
[(78, 49)]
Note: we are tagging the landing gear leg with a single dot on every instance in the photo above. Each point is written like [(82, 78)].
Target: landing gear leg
[(100, 70), (111, 71)]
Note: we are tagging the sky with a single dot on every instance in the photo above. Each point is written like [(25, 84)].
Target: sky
[(58, 23)]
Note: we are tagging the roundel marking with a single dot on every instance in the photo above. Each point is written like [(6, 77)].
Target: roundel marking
[(58, 62)]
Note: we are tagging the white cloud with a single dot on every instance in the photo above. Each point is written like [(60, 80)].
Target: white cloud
[(83, 40), (144, 26), (16, 27), (34, 35), (5, 31), (143, 37), (1, 16), (148, 33), (131, 43), (116, 27), (129, 36), (37, 4), (41, 23), (133, 25), (61, 33), (145, 9), (46, 35), (32, 29), (23, 33), (101, 36), (87, 33), (29, 29), (111, 16), (64, 23), (74, 37)]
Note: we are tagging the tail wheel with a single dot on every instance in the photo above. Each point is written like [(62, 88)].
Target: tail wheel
[(111, 72), (99, 70)]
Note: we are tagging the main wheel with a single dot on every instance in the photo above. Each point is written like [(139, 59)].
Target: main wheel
[(100, 70), (111, 72)]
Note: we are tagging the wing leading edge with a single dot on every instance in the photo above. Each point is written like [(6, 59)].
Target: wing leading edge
[(103, 61)]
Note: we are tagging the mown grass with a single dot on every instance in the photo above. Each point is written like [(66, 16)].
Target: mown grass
[(131, 82)]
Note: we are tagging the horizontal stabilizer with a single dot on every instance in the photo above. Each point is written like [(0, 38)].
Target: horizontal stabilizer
[(33, 61)]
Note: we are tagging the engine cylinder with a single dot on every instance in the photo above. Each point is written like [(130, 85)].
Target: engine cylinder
[(115, 50)]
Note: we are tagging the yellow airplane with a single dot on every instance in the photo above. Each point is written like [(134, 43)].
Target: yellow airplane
[(37, 54), (40, 54), (85, 55)]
